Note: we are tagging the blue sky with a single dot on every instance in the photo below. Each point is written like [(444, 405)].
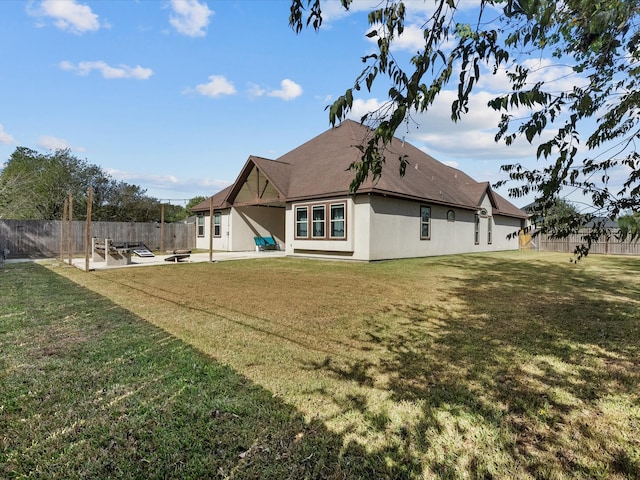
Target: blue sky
[(175, 95)]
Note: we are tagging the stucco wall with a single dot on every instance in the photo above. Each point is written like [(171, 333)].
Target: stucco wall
[(219, 243), (249, 222), (239, 225), (395, 230), (377, 227), (333, 247)]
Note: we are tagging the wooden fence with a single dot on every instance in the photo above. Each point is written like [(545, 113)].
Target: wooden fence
[(42, 238), (611, 246)]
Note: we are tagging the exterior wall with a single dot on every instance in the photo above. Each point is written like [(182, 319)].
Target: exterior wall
[(395, 230), (219, 243), (249, 222), (377, 228), (239, 225), (352, 246)]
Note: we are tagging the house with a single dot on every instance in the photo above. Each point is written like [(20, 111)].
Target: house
[(302, 200)]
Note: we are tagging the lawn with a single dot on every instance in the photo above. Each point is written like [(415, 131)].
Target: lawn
[(506, 365)]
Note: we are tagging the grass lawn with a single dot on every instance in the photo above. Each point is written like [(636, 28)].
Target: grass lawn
[(506, 365)]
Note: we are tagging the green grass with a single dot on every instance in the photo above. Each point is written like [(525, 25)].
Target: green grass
[(509, 365)]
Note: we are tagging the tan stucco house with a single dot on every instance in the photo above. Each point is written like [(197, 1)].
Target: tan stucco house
[(302, 200)]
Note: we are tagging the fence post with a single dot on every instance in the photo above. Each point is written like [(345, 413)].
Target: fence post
[(70, 230), (63, 229), (88, 233), (162, 228)]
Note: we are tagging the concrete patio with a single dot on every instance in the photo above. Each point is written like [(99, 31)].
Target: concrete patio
[(193, 258)]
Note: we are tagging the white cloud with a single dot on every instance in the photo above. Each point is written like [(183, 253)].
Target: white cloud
[(50, 142), (5, 138), (190, 17), (361, 107), (289, 90), (472, 137), (107, 71), (199, 185), (256, 90), (68, 15), (218, 85)]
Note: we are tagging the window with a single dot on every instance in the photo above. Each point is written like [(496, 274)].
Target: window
[(317, 221), (216, 224), (476, 230), (451, 216), (489, 230), (425, 223), (302, 219), (200, 226), (337, 221), (321, 221)]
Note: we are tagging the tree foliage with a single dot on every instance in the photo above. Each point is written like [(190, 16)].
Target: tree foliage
[(599, 40), (34, 185), (629, 225)]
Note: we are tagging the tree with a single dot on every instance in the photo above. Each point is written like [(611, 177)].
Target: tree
[(34, 185), (553, 219), (45, 180), (629, 225), (598, 39), (193, 202)]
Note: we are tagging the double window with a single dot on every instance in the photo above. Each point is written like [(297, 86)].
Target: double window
[(425, 223), (302, 222), (321, 221), (216, 224), (317, 221), (200, 225)]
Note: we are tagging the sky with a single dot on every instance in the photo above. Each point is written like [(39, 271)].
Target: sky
[(175, 95)]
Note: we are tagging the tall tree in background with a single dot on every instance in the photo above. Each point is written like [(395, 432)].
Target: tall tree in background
[(45, 181), (599, 40), (34, 185)]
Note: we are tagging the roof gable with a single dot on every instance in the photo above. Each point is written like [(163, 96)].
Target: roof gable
[(261, 181)]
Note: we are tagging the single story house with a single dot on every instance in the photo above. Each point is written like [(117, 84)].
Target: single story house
[(302, 200)]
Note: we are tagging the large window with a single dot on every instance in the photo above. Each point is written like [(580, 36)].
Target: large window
[(317, 221), (216, 224), (337, 221), (476, 230), (321, 221), (200, 226), (425, 223), (302, 222)]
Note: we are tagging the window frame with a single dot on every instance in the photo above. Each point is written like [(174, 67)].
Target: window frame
[(200, 226), (318, 208), (476, 229), (451, 215), (489, 230), (423, 223), (333, 221), (327, 223), (217, 225), (298, 222)]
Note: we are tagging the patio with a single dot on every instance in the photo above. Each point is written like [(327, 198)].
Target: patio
[(193, 258)]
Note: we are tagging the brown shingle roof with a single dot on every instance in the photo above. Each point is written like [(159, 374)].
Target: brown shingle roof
[(219, 201), (319, 169)]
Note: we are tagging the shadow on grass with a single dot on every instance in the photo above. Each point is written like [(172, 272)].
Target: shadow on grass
[(89, 390), (530, 371)]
